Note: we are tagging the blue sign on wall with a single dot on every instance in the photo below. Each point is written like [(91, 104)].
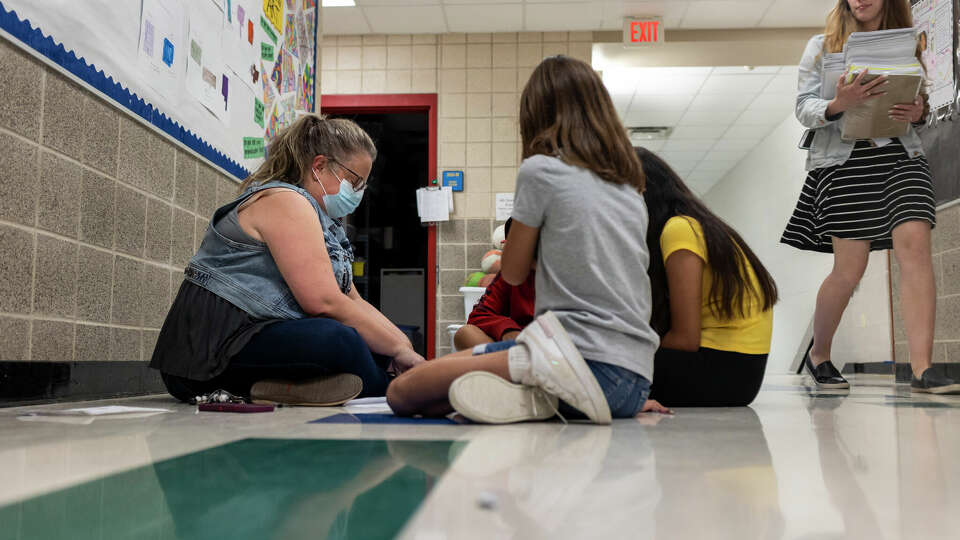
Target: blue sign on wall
[(454, 179)]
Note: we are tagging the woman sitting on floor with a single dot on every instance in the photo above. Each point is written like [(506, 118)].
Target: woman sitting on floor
[(268, 308), (712, 299)]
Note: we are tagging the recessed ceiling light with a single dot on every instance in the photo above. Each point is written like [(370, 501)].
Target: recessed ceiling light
[(338, 3)]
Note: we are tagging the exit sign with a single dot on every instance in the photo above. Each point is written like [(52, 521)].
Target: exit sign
[(638, 32)]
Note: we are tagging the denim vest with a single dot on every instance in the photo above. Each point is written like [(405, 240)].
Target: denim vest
[(245, 274), (828, 148)]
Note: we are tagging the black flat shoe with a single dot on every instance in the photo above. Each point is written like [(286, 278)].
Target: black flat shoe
[(825, 375), (933, 382)]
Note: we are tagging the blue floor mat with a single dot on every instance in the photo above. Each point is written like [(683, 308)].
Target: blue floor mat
[(380, 418)]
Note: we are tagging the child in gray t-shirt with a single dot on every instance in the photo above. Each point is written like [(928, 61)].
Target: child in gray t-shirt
[(579, 194)]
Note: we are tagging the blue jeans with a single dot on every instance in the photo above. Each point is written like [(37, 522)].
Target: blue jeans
[(626, 391), (294, 350)]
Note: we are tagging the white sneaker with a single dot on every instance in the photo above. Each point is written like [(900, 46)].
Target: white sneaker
[(557, 367), (484, 397)]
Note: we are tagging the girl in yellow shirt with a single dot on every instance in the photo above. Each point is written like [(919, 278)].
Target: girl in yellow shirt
[(712, 299)]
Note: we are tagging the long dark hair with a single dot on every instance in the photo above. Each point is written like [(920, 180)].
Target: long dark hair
[(667, 196), (565, 111)]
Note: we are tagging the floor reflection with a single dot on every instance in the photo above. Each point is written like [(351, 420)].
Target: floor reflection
[(728, 479), (253, 488)]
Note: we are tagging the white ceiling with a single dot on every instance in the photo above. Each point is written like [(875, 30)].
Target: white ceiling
[(718, 114), (440, 16)]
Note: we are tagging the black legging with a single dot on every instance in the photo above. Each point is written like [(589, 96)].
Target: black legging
[(706, 378), (294, 350)]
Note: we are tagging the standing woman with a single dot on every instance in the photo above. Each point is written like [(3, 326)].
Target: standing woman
[(865, 195), (268, 309)]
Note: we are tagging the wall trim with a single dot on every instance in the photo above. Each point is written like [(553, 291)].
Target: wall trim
[(33, 383)]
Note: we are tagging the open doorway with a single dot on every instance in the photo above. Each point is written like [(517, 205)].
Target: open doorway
[(395, 254)]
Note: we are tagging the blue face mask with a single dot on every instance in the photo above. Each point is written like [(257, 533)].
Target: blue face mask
[(344, 201)]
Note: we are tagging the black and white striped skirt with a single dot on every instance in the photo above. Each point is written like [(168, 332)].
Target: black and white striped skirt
[(864, 198)]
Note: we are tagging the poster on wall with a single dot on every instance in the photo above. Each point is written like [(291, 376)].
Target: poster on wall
[(221, 77), (934, 22), (160, 51)]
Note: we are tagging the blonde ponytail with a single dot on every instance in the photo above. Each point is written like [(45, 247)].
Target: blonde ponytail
[(292, 151)]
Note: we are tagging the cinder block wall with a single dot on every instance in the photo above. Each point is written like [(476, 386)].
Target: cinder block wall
[(946, 271), (98, 216), (478, 79)]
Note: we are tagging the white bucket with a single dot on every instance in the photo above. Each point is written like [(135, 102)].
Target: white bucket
[(471, 295)]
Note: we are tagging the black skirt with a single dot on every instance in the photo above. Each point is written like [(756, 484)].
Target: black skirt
[(201, 334), (864, 198)]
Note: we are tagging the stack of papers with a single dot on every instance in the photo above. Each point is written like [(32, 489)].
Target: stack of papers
[(890, 53)]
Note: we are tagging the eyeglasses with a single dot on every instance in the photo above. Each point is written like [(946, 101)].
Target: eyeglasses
[(359, 182)]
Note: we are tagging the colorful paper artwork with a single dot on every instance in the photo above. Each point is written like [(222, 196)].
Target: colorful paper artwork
[(290, 35), (305, 95), (273, 126), (265, 26), (308, 19), (289, 74), (258, 112), (273, 10), (148, 37), (266, 52), (252, 147), (309, 4), (291, 5), (303, 38), (167, 52), (277, 74)]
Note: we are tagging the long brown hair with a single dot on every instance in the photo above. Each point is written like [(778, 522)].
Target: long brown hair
[(292, 151), (666, 197), (565, 111), (841, 22)]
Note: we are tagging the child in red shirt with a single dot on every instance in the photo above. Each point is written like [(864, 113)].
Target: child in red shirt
[(502, 312)]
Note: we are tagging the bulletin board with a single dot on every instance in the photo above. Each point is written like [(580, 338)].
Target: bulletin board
[(938, 25), (222, 77)]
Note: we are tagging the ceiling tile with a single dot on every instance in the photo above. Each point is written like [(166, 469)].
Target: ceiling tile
[(715, 166), (698, 132), (731, 145), (750, 133), (682, 157), (701, 146), (724, 14), (707, 117), (670, 11), (563, 16), (791, 13), (652, 118), (734, 155), (735, 84), (406, 20), (701, 177), (344, 20), (485, 18), (784, 83), (661, 102), (731, 102), (654, 83), (775, 101), (760, 117)]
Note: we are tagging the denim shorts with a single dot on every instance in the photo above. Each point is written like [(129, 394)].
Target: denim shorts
[(626, 391)]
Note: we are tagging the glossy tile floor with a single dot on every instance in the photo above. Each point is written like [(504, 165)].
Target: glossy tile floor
[(875, 462)]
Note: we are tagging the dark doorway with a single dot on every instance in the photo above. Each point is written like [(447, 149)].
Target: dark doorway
[(389, 242)]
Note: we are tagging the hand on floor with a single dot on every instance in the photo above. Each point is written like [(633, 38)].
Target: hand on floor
[(653, 405)]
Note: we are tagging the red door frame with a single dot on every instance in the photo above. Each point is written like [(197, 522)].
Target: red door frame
[(394, 103)]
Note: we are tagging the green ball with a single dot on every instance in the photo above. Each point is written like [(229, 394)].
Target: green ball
[(473, 280)]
